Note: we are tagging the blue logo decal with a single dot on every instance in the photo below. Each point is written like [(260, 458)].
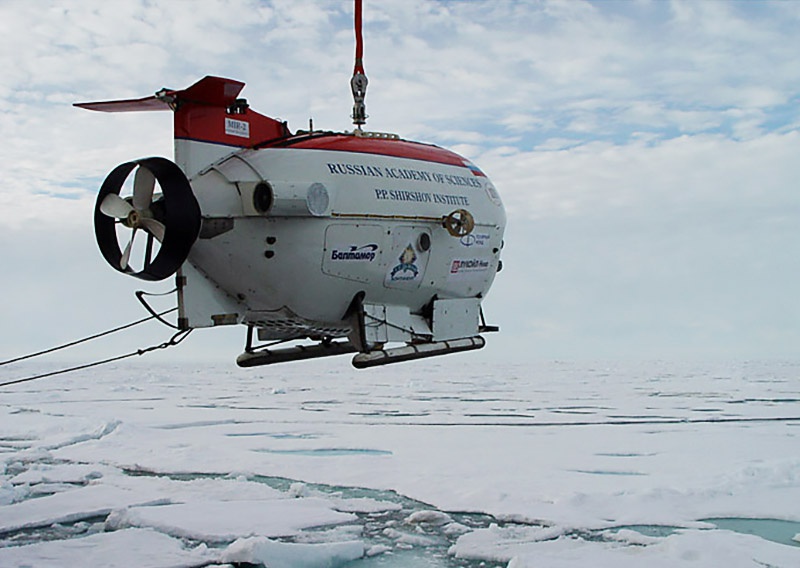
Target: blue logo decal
[(355, 252), (406, 266)]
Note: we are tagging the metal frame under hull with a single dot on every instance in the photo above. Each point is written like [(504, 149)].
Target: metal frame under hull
[(362, 360)]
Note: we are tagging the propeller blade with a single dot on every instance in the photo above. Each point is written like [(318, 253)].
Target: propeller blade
[(114, 206), (148, 252), (123, 263), (155, 228), (143, 185)]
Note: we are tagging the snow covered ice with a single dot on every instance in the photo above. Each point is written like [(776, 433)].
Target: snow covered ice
[(423, 464)]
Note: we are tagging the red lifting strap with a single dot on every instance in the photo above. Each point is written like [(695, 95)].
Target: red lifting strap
[(359, 67)]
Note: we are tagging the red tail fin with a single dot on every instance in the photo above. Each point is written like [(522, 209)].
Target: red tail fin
[(208, 111)]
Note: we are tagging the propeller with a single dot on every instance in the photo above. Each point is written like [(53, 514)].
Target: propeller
[(136, 213), (172, 219), (459, 223)]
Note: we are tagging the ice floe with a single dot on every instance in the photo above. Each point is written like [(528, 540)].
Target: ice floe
[(551, 464)]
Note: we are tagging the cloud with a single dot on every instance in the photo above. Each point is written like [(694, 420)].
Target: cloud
[(702, 173), (645, 150), (681, 248)]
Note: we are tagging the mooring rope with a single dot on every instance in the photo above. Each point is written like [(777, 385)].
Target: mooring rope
[(174, 340), (85, 339)]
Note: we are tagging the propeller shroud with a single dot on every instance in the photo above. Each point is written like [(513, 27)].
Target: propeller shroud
[(174, 221)]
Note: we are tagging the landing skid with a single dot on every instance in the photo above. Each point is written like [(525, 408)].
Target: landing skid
[(296, 353), (361, 360), (453, 327), (416, 351)]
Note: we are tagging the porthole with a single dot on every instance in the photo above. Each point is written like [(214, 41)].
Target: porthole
[(262, 197), (423, 242)]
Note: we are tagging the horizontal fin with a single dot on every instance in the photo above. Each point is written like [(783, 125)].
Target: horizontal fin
[(127, 105), (210, 90)]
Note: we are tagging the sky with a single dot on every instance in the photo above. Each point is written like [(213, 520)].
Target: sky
[(646, 152)]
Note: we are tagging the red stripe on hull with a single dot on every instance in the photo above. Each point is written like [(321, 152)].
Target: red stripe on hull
[(383, 147)]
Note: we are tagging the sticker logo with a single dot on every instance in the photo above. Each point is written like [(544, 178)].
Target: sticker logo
[(475, 240), (238, 128), (468, 268), (363, 253), (407, 269)]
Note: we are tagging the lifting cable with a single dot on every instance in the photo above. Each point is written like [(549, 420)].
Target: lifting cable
[(359, 67), (358, 84)]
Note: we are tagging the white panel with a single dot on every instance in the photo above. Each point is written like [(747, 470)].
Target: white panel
[(217, 197), (201, 303), (392, 323), (375, 328), (237, 169), (453, 319), (193, 156), (354, 251)]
